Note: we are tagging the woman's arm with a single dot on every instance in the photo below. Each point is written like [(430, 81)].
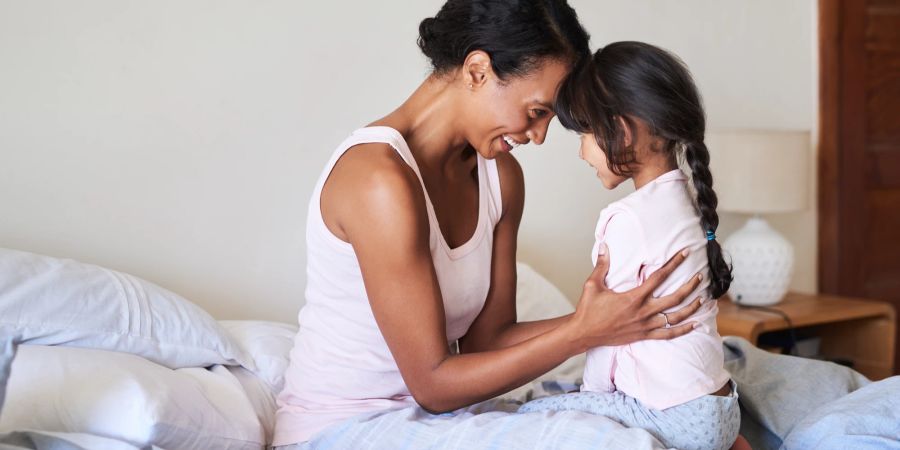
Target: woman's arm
[(496, 326), (374, 201)]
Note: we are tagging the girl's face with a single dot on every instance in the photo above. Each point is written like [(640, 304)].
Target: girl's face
[(505, 114), (591, 152)]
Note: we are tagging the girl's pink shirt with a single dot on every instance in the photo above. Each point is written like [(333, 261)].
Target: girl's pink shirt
[(643, 231)]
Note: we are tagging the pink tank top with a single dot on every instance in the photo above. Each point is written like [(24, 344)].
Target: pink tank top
[(340, 364)]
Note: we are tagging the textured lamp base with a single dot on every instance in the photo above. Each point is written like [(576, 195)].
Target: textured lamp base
[(763, 263)]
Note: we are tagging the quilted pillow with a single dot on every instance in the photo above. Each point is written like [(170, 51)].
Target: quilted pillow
[(52, 301)]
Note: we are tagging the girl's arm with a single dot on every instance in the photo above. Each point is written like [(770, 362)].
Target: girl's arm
[(374, 201)]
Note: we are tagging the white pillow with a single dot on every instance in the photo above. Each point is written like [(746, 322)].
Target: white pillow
[(261, 396), (7, 353), (70, 441), (123, 396), (537, 298), (52, 301), (269, 344)]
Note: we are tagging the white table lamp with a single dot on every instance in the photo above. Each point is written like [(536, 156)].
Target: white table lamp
[(759, 172)]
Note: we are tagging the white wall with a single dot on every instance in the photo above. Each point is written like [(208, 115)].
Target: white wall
[(180, 140)]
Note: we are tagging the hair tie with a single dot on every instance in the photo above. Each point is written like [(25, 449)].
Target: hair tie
[(710, 236)]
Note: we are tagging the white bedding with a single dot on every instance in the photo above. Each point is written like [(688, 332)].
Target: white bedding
[(64, 396), (53, 440), (268, 344), (109, 355), (55, 301), (126, 397)]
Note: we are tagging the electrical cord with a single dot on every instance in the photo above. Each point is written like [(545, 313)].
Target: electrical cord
[(791, 331)]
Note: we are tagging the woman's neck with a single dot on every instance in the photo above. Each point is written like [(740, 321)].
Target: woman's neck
[(429, 122)]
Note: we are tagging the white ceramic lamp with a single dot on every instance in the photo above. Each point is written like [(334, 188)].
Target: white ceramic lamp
[(759, 172)]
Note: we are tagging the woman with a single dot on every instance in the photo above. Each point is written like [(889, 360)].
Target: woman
[(411, 236)]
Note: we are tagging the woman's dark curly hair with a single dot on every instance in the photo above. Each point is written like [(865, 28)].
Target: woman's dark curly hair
[(517, 34), (628, 80)]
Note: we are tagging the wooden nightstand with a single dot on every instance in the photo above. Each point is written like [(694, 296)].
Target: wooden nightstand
[(860, 330)]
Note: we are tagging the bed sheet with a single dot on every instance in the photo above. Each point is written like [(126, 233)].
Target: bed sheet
[(48, 440)]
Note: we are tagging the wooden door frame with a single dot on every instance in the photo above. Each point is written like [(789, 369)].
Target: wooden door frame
[(841, 128), (828, 146)]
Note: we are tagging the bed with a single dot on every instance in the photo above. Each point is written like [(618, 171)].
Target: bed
[(94, 358)]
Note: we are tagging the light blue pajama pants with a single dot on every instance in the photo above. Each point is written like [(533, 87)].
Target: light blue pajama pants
[(707, 423), (491, 425)]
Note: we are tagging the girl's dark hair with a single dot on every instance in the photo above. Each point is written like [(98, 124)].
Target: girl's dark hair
[(631, 80), (517, 34)]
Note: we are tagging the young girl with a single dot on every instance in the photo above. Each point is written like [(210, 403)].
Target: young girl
[(639, 114)]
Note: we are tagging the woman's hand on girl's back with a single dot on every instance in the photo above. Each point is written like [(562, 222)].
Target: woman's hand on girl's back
[(604, 317)]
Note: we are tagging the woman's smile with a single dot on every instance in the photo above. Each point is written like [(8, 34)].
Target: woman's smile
[(507, 143)]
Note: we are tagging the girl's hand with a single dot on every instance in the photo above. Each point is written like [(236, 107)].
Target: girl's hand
[(604, 317)]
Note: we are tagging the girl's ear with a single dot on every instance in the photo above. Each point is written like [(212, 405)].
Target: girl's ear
[(628, 132)]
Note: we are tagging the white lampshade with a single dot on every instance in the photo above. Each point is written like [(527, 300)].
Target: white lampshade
[(757, 172)]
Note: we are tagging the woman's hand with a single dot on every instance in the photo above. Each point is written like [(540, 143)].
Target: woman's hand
[(604, 317)]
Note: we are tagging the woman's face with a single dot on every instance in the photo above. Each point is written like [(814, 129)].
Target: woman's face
[(591, 152), (502, 115)]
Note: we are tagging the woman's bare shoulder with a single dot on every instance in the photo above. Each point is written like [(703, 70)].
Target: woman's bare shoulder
[(375, 162), (372, 183)]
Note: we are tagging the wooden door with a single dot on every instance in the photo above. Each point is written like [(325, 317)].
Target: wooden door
[(859, 170)]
